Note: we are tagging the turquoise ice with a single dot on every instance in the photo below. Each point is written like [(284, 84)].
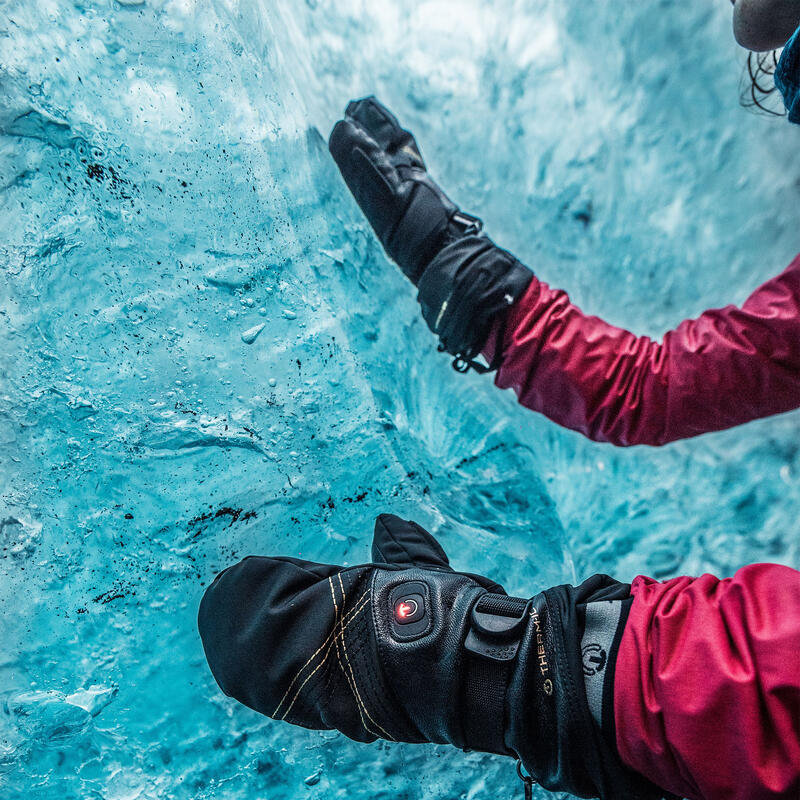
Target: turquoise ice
[(205, 353)]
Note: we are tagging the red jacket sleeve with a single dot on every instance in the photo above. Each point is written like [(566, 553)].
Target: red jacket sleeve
[(729, 366), (707, 685)]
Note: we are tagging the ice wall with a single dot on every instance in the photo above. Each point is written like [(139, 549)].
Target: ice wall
[(205, 353)]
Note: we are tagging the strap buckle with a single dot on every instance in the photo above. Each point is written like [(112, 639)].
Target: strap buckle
[(469, 225), (497, 623), (462, 364)]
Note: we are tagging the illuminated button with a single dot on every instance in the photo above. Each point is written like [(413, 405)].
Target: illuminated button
[(406, 608), (409, 609)]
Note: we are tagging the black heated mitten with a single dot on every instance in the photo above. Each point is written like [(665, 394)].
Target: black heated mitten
[(407, 649), (464, 279)]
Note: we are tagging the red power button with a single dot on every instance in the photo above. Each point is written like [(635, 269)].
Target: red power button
[(409, 609)]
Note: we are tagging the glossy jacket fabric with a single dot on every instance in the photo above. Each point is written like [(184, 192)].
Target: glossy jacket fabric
[(787, 77), (707, 685), (726, 367)]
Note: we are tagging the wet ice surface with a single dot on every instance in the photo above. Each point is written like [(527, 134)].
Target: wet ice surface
[(206, 355)]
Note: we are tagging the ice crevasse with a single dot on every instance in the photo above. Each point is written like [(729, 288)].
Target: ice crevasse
[(205, 353)]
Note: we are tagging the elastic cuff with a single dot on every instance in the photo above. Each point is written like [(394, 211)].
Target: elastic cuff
[(494, 349)]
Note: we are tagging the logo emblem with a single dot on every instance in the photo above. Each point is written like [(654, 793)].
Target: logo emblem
[(594, 659)]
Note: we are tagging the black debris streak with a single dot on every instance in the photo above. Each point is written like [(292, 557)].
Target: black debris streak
[(112, 181), (471, 459), (115, 593), (329, 505), (235, 515), (359, 498)]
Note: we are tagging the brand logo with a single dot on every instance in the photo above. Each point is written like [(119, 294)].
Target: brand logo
[(594, 659), (544, 666)]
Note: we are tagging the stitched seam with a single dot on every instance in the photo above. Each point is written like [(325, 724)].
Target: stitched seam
[(352, 688), (335, 625), (400, 544), (380, 552), (359, 701), (322, 686), (315, 670), (347, 618), (324, 659), (355, 686), (368, 665)]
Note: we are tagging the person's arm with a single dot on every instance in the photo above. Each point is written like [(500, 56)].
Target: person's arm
[(407, 649), (727, 367), (603, 690), (707, 685)]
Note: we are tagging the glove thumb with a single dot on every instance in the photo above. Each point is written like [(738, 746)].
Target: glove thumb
[(404, 543)]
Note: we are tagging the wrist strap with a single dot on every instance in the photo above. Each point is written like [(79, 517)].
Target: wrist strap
[(496, 625)]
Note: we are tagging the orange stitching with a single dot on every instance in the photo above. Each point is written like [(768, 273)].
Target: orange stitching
[(355, 686), (321, 664), (341, 624), (347, 617), (352, 688)]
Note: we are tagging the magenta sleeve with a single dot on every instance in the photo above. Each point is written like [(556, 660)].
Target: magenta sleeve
[(727, 367), (707, 685)]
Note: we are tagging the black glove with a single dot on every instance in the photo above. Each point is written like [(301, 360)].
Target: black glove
[(464, 279), (408, 650)]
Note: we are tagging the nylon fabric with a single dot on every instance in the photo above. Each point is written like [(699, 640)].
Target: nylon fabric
[(787, 77), (602, 621), (467, 285), (701, 658), (502, 605), (727, 367), (565, 749), (484, 704)]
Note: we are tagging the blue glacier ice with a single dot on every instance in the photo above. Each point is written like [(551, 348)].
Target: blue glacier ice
[(205, 353)]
